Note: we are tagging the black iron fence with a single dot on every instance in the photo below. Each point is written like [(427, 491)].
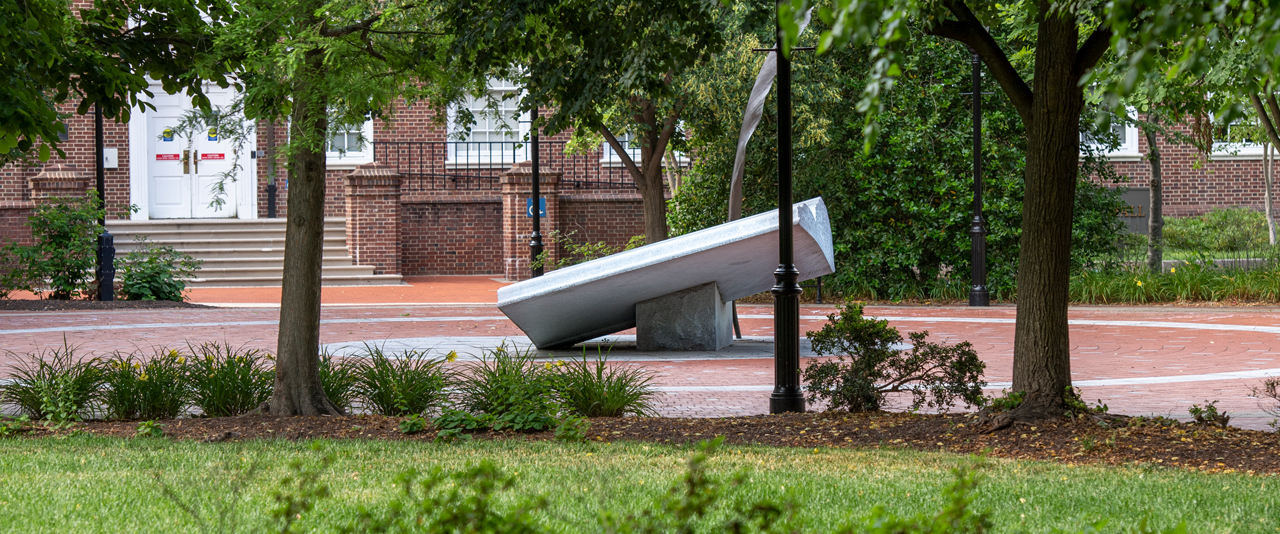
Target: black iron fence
[(476, 166)]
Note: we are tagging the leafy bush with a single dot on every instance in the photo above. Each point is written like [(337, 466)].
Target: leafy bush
[(145, 389), (13, 426), (412, 424), (1270, 390), (61, 261), (1209, 414), (155, 273), (868, 365), (1221, 230), (509, 386), (339, 377), (597, 389), (149, 429), (227, 381), (54, 384), (404, 383)]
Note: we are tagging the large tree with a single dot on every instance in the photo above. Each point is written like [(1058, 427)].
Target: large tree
[(1065, 42), (608, 67), (323, 65)]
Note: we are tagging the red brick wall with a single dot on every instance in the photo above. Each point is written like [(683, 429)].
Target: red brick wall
[(610, 217), (13, 222), (451, 234), (1192, 190), (79, 149)]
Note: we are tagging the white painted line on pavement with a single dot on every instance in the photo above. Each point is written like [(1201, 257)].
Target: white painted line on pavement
[(151, 326)]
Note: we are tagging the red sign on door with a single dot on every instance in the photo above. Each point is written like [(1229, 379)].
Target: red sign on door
[(166, 157), (213, 156)]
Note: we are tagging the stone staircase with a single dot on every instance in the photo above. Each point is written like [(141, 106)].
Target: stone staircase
[(246, 252)]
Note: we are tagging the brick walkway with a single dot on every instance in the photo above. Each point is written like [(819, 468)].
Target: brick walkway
[(1155, 360)]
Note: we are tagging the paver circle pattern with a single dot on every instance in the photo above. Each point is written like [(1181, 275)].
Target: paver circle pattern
[(1136, 360)]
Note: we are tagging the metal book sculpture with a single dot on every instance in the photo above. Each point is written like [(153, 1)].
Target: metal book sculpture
[(675, 292)]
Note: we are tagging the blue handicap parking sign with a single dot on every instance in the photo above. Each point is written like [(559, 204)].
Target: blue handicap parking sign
[(542, 207)]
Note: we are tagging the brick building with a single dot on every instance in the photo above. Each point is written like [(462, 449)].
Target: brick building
[(413, 199)]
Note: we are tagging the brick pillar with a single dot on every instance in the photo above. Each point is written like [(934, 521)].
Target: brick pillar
[(517, 187), (58, 181), (372, 195)]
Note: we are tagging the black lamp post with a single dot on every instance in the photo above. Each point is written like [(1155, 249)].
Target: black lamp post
[(106, 269), (978, 293), (786, 396), (535, 239)]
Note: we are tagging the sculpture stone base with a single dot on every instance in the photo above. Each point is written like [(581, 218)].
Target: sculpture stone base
[(692, 319)]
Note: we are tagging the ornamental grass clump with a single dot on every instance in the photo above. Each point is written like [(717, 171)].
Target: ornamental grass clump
[(511, 388), (403, 383), (228, 381), (339, 377), (54, 384), (870, 362), (594, 388), (153, 388)]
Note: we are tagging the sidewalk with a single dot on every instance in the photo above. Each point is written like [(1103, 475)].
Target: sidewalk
[(1138, 360), (423, 290)]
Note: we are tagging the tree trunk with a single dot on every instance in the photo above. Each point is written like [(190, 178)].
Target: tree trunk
[(297, 386), (1268, 176), (1041, 344), (1155, 217)]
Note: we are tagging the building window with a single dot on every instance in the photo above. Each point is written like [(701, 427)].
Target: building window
[(351, 145), (629, 143), (1239, 139), (497, 135), (1126, 136)]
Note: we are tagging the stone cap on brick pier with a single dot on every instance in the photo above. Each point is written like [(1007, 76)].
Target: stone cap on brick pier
[(522, 173), (58, 180)]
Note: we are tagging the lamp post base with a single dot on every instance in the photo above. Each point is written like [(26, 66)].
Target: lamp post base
[(784, 400), (979, 297)]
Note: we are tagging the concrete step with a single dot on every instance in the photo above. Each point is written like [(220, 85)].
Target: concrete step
[(249, 252)]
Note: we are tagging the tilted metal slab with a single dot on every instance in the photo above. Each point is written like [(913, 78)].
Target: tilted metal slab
[(599, 297)]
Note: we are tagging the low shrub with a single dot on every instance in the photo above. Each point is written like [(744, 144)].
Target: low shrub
[(593, 388), (1221, 230), (339, 377), (869, 364), (228, 381), (149, 429), (154, 388), (1209, 414), (54, 384), (12, 426), (1269, 391), (155, 272), (512, 388), (60, 263), (575, 253), (402, 383)]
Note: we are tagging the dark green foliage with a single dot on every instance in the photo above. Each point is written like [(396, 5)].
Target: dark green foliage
[(53, 384), (149, 429), (404, 383), (412, 424), (466, 501), (228, 381), (60, 263), (868, 365), (452, 424), (572, 428), (1005, 402), (1221, 230), (12, 426), (1209, 414), (154, 388), (155, 273), (339, 376), (597, 389), (900, 214), (512, 388)]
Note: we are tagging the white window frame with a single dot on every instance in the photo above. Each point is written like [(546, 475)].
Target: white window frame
[(462, 153), (1235, 151), (350, 159), (1128, 148), (610, 158)]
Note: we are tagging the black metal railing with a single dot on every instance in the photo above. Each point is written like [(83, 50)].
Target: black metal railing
[(476, 166)]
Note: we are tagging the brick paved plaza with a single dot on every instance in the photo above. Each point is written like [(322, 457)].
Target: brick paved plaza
[(1149, 360)]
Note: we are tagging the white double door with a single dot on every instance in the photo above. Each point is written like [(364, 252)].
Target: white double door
[(184, 172)]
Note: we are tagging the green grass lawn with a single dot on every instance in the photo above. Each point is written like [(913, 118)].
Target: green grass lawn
[(88, 484)]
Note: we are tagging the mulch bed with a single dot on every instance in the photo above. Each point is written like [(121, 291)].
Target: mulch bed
[(76, 305), (1070, 441)]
